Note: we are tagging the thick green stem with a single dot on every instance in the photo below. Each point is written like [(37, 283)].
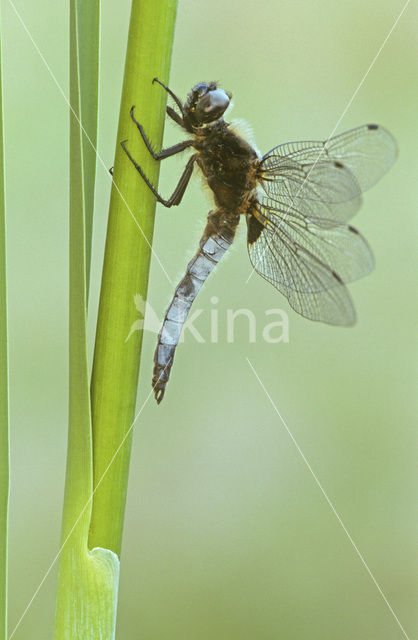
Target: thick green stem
[(126, 267)]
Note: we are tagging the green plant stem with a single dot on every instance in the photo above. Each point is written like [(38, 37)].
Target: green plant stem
[(88, 29), (4, 395), (126, 266), (88, 580)]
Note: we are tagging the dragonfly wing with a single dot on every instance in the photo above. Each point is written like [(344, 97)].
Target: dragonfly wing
[(325, 179), (309, 260)]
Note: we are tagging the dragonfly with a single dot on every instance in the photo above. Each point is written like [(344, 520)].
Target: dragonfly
[(296, 200)]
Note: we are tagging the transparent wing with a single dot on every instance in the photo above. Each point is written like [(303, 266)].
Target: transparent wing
[(325, 179), (308, 260)]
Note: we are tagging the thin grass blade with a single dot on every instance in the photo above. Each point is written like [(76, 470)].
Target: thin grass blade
[(88, 580), (4, 393)]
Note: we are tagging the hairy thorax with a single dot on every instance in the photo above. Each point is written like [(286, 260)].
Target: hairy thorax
[(230, 166)]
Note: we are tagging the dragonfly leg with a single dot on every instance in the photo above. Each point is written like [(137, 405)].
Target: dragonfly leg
[(174, 116), (178, 192), (170, 93), (164, 153)]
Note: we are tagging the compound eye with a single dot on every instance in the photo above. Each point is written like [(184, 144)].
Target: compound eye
[(213, 104), (199, 91)]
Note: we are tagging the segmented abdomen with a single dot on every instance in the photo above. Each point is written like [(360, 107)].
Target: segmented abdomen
[(212, 247)]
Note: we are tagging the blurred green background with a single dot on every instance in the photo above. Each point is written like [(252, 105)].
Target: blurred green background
[(227, 536)]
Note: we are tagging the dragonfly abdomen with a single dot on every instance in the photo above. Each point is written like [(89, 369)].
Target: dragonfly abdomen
[(214, 243)]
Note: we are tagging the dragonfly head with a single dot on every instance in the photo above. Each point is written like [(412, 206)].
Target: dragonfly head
[(206, 103)]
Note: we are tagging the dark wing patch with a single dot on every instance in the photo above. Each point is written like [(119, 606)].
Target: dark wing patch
[(254, 229)]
